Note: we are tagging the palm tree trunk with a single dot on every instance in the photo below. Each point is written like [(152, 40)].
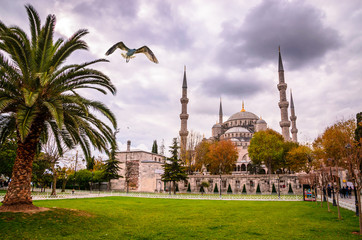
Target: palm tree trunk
[(18, 196), (19, 192)]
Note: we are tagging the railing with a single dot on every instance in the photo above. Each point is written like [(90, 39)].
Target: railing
[(93, 194)]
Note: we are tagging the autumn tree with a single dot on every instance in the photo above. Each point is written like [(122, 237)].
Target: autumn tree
[(193, 140), (174, 170), (201, 155), (221, 157), (300, 159), (331, 147), (266, 147)]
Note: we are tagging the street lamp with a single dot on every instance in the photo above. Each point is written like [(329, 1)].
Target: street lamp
[(348, 146), (220, 178), (330, 170)]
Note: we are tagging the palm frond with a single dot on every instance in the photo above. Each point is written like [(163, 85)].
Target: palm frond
[(24, 119)]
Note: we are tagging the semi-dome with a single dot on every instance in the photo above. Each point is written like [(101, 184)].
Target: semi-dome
[(237, 130), (243, 115)]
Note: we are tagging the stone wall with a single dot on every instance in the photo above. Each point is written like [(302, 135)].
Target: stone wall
[(237, 182)]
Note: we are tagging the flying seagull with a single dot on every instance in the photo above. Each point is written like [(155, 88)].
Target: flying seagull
[(130, 52)]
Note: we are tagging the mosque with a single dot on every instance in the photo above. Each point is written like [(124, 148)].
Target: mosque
[(239, 128)]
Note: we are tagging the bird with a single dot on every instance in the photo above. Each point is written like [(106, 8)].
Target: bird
[(130, 52)]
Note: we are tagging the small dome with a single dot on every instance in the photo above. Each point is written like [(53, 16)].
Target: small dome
[(260, 121), (243, 115), (237, 130), (234, 140), (217, 125)]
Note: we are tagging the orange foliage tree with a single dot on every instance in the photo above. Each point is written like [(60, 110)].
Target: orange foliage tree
[(221, 157)]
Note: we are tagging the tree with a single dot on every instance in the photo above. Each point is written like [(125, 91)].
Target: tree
[(7, 155), (244, 189), (229, 189), (90, 162), (216, 190), (300, 159), (189, 188), (258, 189), (273, 189), (222, 157), (174, 171), (63, 176), (155, 147), (331, 147), (111, 167), (290, 191), (39, 95), (267, 147), (201, 155), (193, 140), (40, 174)]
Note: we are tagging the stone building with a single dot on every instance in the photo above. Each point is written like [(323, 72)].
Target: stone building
[(141, 169)]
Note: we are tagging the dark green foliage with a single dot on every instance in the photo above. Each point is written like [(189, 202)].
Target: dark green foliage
[(40, 177), (111, 167), (177, 190), (290, 191), (7, 155), (229, 189), (174, 171), (189, 188), (154, 147), (273, 189), (202, 190), (216, 190), (258, 189), (244, 189), (358, 131), (90, 161)]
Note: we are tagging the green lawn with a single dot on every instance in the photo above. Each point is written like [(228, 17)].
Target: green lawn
[(141, 218)]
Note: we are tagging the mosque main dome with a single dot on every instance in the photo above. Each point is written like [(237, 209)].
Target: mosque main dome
[(243, 115)]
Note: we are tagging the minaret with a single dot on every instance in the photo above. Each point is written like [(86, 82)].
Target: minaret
[(293, 119), (184, 116), (283, 103), (220, 113)]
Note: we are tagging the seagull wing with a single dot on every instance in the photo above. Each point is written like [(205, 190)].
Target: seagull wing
[(148, 53), (115, 46)]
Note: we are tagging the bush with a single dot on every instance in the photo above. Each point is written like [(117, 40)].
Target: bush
[(216, 190), (202, 190), (290, 189), (188, 188), (177, 187), (244, 189), (273, 189), (258, 189), (229, 189)]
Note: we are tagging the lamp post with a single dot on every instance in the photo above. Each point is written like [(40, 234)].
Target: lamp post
[(348, 147), (330, 170)]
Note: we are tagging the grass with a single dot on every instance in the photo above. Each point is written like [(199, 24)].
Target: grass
[(141, 218)]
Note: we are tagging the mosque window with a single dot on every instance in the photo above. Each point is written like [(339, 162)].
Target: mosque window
[(251, 183), (224, 183), (237, 183)]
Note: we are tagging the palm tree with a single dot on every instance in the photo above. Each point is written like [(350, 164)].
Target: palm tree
[(39, 98)]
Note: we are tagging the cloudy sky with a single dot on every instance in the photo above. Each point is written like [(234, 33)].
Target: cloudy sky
[(230, 49)]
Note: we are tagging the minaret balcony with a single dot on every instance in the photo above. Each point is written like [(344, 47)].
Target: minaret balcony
[(284, 124), (184, 100), (283, 104), (282, 86), (184, 116)]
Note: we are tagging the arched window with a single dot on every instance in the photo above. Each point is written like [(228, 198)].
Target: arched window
[(243, 168), (238, 168)]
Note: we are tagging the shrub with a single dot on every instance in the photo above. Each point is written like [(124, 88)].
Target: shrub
[(229, 189), (244, 189), (273, 189), (188, 188), (258, 189), (177, 187), (290, 189), (216, 190), (202, 190)]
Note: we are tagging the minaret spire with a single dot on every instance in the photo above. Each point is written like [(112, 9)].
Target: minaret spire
[(242, 107), (184, 116), (283, 103), (293, 119), (220, 113)]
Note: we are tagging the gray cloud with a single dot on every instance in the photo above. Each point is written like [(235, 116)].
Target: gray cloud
[(222, 85), (296, 26)]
